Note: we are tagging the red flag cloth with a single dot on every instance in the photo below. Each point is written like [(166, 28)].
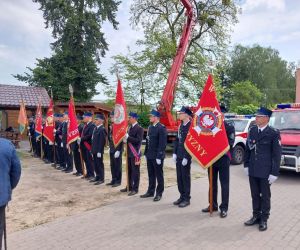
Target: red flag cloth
[(119, 127), (38, 121), (49, 124), (206, 140), (73, 132)]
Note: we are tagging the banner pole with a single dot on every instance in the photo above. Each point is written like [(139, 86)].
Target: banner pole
[(210, 190)]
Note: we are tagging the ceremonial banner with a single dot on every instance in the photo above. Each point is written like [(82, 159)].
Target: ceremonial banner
[(22, 119), (119, 128), (38, 122), (49, 124), (73, 132), (206, 140)]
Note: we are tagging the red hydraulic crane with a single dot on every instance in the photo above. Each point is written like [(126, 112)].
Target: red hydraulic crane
[(166, 103)]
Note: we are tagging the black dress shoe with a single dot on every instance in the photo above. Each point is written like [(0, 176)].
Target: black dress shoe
[(116, 185), (263, 226), (223, 214), (78, 174), (157, 198), (94, 179), (184, 204), (207, 210), (98, 182), (110, 183), (68, 171), (132, 193), (124, 190), (75, 173), (254, 220), (176, 203), (146, 195)]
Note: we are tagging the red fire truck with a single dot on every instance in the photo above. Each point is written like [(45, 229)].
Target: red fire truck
[(286, 118)]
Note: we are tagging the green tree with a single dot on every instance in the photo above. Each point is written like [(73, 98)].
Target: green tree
[(78, 47), (266, 69), (162, 21), (245, 93)]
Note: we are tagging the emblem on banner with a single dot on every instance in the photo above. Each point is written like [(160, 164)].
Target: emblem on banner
[(119, 115), (208, 121)]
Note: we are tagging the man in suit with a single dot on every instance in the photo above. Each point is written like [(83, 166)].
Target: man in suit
[(68, 157), (221, 168), (156, 142), (98, 144), (261, 164), (76, 150), (115, 156), (86, 144), (134, 139), (10, 172), (183, 159)]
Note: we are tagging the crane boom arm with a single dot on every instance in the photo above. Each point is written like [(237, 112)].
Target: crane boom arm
[(167, 100)]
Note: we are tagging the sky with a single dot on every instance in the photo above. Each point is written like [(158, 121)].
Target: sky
[(23, 36)]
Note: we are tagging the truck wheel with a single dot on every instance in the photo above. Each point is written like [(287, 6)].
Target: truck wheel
[(238, 154)]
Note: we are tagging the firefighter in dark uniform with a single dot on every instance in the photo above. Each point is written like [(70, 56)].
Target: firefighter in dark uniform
[(31, 134), (58, 140), (98, 143), (183, 159), (115, 156), (56, 137), (86, 144), (221, 168), (76, 150), (134, 139), (68, 157), (262, 162), (156, 142)]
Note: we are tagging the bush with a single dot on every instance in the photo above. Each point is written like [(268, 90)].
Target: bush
[(247, 109)]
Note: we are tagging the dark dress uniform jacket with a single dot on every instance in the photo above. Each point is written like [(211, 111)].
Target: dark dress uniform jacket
[(179, 148), (263, 152), (99, 140), (64, 132), (135, 138), (230, 132), (112, 148), (156, 142), (87, 133)]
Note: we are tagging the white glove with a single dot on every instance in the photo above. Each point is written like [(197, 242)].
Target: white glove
[(272, 179), (61, 145), (99, 155), (246, 170), (174, 157), (50, 143), (54, 131), (29, 134), (126, 136), (184, 162), (28, 127), (78, 140), (158, 161), (117, 154)]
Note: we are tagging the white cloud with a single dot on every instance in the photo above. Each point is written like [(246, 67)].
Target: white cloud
[(260, 23), (278, 5)]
